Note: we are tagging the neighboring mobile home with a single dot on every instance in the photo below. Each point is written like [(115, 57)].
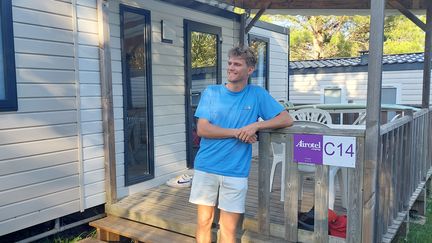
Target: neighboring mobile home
[(344, 80), (51, 107)]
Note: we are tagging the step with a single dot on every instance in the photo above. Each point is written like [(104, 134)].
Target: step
[(111, 228)]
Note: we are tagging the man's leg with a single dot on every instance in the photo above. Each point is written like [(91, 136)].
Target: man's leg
[(228, 226), (204, 223)]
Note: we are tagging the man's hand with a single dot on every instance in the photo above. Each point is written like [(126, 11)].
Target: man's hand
[(247, 134)]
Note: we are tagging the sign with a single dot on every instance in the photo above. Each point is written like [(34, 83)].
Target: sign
[(326, 150), (339, 151), (308, 148)]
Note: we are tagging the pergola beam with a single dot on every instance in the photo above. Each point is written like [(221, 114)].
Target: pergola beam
[(257, 16), (373, 121), (320, 4), (399, 6)]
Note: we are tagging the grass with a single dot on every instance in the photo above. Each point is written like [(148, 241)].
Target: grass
[(421, 233), (71, 236)]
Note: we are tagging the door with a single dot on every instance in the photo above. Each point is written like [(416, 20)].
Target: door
[(137, 94), (202, 68)]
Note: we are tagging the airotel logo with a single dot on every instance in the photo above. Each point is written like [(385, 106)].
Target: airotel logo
[(312, 146)]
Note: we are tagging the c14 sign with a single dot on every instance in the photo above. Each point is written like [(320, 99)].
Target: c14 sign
[(327, 150), (339, 151)]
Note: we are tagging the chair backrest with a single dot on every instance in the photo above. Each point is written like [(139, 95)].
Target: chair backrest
[(312, 115), (361, 120), (278, 148)]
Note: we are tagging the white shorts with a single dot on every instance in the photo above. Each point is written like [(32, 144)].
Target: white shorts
[(232, 191)]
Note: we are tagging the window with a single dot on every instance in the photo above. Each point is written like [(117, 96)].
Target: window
[(8, 93), (137, 89), (333, 95), (389, 96), (261, 74)]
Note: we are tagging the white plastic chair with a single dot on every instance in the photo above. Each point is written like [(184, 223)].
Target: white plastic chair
[(316, 116)]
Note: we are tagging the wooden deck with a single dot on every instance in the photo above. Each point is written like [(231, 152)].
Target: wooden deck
[(168, 208)]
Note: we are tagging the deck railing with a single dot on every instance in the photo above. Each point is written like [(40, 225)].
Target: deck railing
[(405, 164)]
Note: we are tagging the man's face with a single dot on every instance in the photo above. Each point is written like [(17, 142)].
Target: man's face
[(238, 70)]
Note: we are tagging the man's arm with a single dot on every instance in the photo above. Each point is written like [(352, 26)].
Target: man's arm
[(280, 121), (208, 130)]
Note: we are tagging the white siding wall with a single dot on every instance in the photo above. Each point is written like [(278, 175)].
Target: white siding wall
[(39, 177), (59, 117), (278, 56), (90, 100), (168, 87), (307, 89)]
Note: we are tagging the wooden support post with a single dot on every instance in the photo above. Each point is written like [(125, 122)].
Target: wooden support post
[(427, 58), (372, 139), (420, 203), (429, 188), (107, 102), (264, 166)]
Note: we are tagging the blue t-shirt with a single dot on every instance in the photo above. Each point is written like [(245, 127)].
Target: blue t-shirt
[(227, 109)]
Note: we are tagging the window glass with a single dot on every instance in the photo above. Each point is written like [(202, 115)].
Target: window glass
[(136, 80), (388, 95), (260, 75), (333, 96)]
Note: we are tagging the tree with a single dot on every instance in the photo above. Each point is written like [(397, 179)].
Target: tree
[(403, 36), (317, 37), (203, 50)]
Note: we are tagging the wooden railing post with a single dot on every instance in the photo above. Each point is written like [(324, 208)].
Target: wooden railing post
[(355, 196), (264, 166), (291, 193), (407, 159), (321, 203)]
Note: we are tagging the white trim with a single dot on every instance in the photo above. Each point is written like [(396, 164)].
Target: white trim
[(78, 107)]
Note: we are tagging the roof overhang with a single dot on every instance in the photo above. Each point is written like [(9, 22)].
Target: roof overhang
[(323, 7)]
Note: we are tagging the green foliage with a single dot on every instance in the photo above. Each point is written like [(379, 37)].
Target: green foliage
[(318, 37), (421, 233), (203, 50), (402, 36)]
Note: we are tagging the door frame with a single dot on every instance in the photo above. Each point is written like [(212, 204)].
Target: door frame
[(190, 26), (149, 95)]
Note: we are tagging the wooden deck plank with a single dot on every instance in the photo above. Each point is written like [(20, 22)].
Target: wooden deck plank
[(169, 208)]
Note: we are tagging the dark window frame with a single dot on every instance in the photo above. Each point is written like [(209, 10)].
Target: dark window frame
[(126, 91), (253, 37), (10, 103)]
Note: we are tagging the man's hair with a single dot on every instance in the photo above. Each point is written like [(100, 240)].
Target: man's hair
[(244, 52)]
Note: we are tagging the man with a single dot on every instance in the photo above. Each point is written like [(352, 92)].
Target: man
[(227, 124)]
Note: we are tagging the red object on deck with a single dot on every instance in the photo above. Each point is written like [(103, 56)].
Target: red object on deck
[(337, 224)]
